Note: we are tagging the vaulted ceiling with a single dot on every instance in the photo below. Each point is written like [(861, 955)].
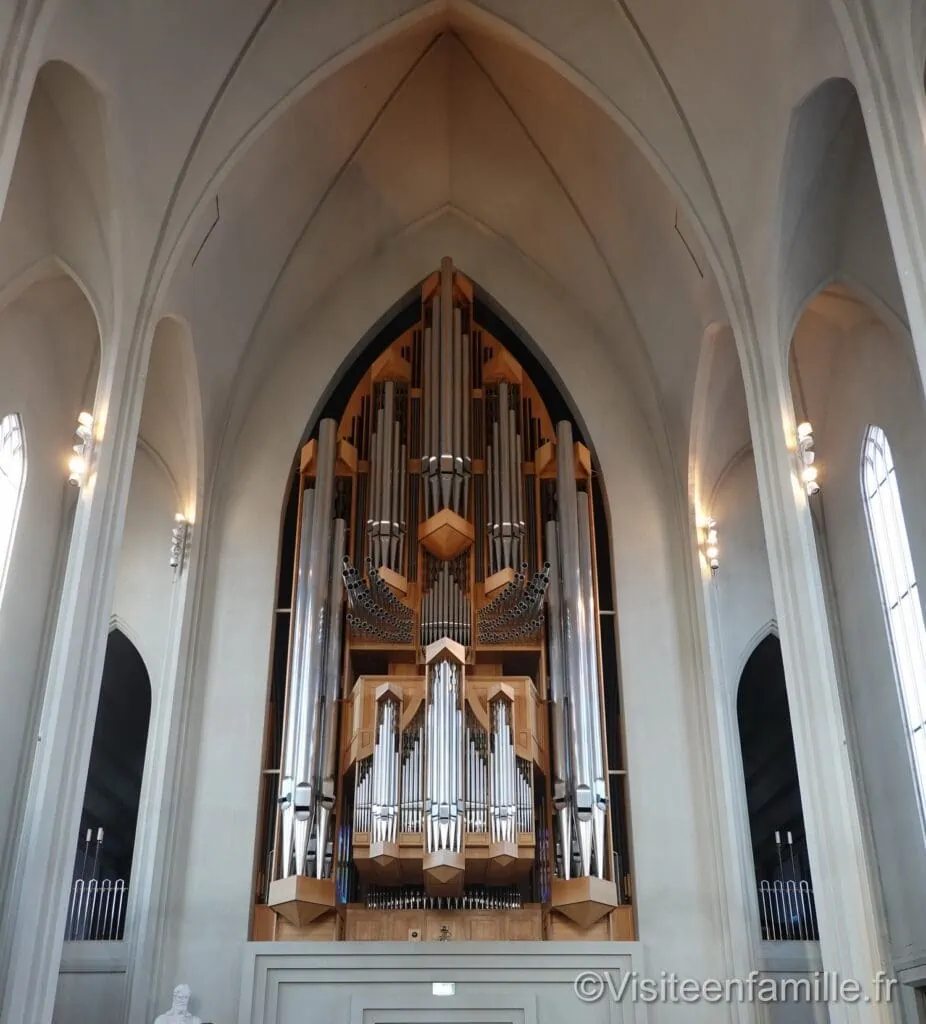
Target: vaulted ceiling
[(253, 154)]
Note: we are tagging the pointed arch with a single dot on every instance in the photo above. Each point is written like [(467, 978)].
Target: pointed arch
[(773, 796), (103, 861)]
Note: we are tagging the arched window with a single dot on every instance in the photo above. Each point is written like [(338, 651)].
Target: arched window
[(899, 591), (12, 478)]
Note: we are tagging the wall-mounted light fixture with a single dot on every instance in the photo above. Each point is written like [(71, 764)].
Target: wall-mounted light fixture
[(807, 455), (179, 539), (79, 462), (709, 545)]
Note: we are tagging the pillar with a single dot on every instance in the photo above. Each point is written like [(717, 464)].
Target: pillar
[(893, 100), (844, 889), (33, 922)]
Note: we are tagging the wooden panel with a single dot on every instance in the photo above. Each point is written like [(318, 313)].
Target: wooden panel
[(564, 930), (622, 924), (324, 929), (523, 925), (263, 925)]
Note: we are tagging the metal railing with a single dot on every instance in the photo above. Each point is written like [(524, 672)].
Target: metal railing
[(96, 911), (787, 911)]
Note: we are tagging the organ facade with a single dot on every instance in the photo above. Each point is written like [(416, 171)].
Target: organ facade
[(437, 755)]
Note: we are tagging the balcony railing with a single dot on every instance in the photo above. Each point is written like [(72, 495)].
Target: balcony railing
[(787, 911), (96, 912)]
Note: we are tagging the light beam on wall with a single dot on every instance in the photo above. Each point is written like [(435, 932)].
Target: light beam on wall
[(179, 539), (807, 455), (710, 545), (79, 462)]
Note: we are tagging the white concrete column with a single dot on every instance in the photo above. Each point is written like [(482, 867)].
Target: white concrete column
[(719, 756), (845, 894), (33, 922), (160, 797), (893, 101)]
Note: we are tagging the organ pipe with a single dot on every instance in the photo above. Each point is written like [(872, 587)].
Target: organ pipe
[(444, 544), (332, 690), (560, 755), (590, 634)]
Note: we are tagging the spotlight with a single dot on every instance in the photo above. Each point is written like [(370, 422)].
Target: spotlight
[(79, 462), (807, 455), (178, 541), (710, 545)]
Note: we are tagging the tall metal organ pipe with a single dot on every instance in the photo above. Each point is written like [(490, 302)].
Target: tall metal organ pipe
[(443, 789), (295, 690), (579, 704), (386, 772), (560, 755), (308, 717), (328, 752), (599, 785), (446, 463)]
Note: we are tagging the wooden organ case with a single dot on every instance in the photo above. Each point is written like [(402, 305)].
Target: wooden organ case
[(439, 765)]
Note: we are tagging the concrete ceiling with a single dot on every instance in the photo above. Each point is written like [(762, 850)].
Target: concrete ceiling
[(232, 162)]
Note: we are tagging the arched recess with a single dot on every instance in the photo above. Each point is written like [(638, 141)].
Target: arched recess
[(55, 312), (59, 201), (851, 365), (50, 349), (493, 327), (236, 621), (103, 864), (833, 225), (773, 798), (171, 419)]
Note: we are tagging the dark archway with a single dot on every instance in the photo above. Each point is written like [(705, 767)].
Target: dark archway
[(111, 798), (773, 796)]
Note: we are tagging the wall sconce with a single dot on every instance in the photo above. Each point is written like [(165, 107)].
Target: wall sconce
[(709, 545), (805, 450), (79, 462), (178, 541)]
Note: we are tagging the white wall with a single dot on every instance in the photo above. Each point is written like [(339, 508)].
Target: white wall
[(854, 374), (144, 580), (48, 350), (208, 907), (91, 985), (742, 589)]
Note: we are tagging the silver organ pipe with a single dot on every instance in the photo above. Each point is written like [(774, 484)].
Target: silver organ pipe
[(444, 794), (386, 525), (477, 778), (586, 755), (580, 729), (332, 690), (446, 609), (505, 525), (385, 798), (299, 800), (503, 772), (447, 461), (560, 751), (295, 689), (410, 806), (384, 572), (596, 746)]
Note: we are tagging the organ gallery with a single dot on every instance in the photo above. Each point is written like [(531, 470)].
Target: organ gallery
[(437, 753)]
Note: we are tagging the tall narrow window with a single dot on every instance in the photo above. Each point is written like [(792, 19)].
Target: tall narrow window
[(898, 589), (12, 478)]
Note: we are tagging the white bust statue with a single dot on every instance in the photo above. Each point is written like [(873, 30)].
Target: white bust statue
[(178, 1012)]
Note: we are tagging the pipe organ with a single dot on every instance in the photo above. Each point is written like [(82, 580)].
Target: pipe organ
[(441, 743)]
